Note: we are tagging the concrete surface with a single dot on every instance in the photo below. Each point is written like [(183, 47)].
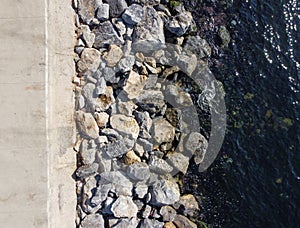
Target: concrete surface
[(36, 131)]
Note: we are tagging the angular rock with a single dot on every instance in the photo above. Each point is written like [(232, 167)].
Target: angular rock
[(106, 34), (126, 108), (146, 212), (131, 158), (169, 225), (125, 125), (87, 154), (179, 162), (126, 64), (159, 165), (151, 81), (187, 205), (164, 192), (103, 12), (151, 101), (101, 119), (133, 14), (103, 161), (141, 190), (151, 223), (168, 213), (100, 194), (87, 170), (118, 147), (187, 63), (90, 184), (89, 61), (124, 207), (149, 32), (87, 9), (198, 46), (196, 144), (134, 85), (105, 100), (184, 99), (121, 185), (110, 75), (87, 36), (180, 24), (163, 131), (174, 116), (183, 222), (113, 56), (119, 25), (126, 223), (92, 221), (86, 125), (88, 91), (116, 7), (138, 171)]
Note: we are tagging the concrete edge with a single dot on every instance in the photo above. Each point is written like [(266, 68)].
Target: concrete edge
[(60, 30)]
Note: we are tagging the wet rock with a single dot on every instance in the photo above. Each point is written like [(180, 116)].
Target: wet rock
[(198, 46), (174, 116), (86, 125), (168, 213), (101, 119), (187, 63), (133, 14), (131, 158), (224, 35), (163, 131), (93, 220), (184, 99), (179, 162), (87, 154), (105, 100), (141, 190), (125, 125), (181, 23), (183, 222), (187, 205), (116, 7), (169, 225), (100, 194), (164, 192), (103, 12), (87, 9), (89, 61), (138, 171), (126, 64), (134, 85), (149, 32), (106, 34), (159, 165), (87, 170), (113, 55), (151, 101), (118, 147), (196, 145), (126, 223), (151, 223), (121, 185), (124, 207)]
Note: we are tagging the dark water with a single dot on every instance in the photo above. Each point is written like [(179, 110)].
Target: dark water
[(255, 182)]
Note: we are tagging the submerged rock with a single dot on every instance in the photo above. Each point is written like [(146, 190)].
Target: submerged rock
[(124, 207)]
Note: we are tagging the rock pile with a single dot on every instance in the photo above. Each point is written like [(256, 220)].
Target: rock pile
[(133, 134)]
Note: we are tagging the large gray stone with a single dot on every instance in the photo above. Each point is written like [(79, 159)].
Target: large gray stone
[(100, 194), (149, 32), (151, 223), (164, 192), (92, 221), (183, 222), (159, 166), (198, 46), (86, 125), (151, 101), (89, 61), (125, 125), (162, 130), (134, 85), (168, 213), (126, 223), (180, 24), (103, 12), (133, 14), (87, 170), (188, 205), (116, 7), (196, 144), (138, 171), (124, 207), (87, 9), (179, 162), (119, 147), (106, 34)]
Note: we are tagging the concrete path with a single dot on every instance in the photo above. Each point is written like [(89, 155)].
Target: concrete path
[(36, 130)]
